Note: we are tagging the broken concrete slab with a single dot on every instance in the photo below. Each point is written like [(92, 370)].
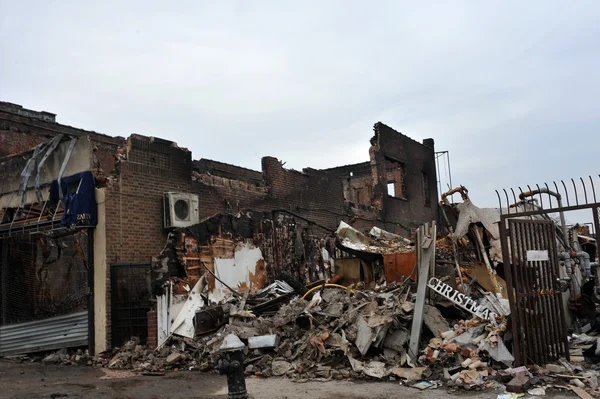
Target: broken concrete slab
[(396, 339), (364, 336), (174, 357), (434, 321), (263, 341), (52, 358), (555, 368), (499, 352), (280, 367)]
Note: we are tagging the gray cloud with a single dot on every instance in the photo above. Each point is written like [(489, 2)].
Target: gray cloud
[(509, 88)]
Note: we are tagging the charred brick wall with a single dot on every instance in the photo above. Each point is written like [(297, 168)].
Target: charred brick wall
[(288, 246), (419, 202), (356, 194)]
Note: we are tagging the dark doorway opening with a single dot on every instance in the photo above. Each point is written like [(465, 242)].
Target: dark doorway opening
[(130, 302)]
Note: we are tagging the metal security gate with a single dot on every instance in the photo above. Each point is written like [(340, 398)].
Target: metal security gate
[(538, 322), (537, 304), (46, 291), (130, 299)]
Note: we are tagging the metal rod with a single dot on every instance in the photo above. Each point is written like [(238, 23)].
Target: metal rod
[(499, 201), (541, 199), (596, 217), (439, 178), (593, 188), (449, 171), (507, 201), (584, 190), (575, 189), (566, 192), (556, 187), (549, 197)]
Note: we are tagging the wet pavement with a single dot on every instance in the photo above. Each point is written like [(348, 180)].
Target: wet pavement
[(26, 380)]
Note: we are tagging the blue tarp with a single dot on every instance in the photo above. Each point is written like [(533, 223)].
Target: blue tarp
[(79, 199)]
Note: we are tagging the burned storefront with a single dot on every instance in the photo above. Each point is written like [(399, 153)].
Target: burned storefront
[(47, 236), (83, 214)]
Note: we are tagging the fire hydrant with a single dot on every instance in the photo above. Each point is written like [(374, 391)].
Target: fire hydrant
[(232, 365)]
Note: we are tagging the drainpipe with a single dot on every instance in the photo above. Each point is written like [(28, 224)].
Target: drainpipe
[(564, 274), (543, 190), (584, 259)]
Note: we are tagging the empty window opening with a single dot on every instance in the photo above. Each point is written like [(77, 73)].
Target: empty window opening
[(391, 189), (395, 174)]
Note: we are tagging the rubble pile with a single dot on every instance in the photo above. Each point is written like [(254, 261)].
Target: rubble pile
[(360, 335), (338, 335)]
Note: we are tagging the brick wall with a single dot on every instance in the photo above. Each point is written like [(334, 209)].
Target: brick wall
[(20, 132), (313, 194), (392, 147), (215, 168), (15, 142), (134, 202), (134, 220), (152, 330)]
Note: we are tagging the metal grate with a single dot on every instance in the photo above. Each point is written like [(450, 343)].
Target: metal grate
[(43, 276), (130, 298), (539, 329)]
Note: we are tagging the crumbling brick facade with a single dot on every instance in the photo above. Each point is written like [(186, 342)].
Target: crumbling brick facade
[(357, 194), (395, 189)]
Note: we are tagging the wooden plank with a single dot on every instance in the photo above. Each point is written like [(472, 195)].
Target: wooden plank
[(580, 392), (480, 271)]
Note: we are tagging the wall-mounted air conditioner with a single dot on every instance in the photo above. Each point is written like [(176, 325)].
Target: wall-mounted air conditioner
[(181, 210)]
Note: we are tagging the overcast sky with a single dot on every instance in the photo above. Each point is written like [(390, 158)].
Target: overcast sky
[(510, 89)]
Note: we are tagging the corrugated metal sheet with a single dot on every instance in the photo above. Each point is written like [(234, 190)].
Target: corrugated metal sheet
[(48, 334)]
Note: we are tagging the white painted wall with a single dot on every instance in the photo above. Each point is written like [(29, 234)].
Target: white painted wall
[(235, 271), (175, 314)]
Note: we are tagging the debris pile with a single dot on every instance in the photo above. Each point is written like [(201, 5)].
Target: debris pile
[(337, 334), (427, 312)]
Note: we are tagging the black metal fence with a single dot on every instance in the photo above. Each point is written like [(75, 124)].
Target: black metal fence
[(130, 301)]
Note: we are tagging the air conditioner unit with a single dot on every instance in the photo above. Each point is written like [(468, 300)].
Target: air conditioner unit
[(181, 210)]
